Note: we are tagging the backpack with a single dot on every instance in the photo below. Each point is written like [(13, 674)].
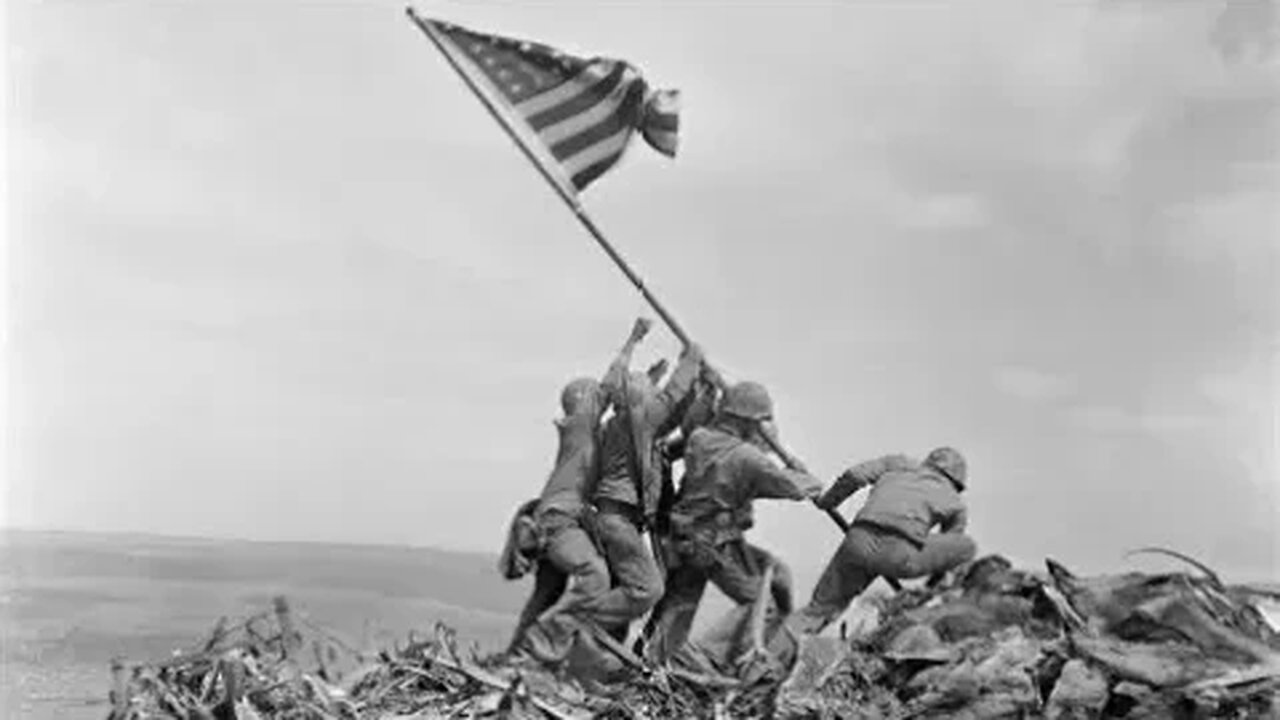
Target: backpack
[(524, 544)]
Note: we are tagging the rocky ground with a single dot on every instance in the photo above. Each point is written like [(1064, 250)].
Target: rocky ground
[(993, 641)]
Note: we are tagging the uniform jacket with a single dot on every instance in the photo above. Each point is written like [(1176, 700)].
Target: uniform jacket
[(652, 419), (905, 496), (723, 475), (575, 466)]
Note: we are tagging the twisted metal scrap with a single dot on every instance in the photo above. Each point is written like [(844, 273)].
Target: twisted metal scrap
[(1167, 640)]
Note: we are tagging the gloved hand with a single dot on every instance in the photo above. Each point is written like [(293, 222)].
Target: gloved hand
[(640, 329), (815, 493), (693, 351), (713, 376)]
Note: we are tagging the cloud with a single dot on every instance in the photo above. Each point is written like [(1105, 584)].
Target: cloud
[(1245, 398), (1107, 119), (1241, 390), (1237, 230), (1114, 420), (1031, 384), (943, 211)]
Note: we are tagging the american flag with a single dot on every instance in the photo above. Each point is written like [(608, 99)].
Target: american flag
[(582, 112)]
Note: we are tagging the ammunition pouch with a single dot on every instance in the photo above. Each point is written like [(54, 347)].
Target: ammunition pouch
[(697, 536), (631, 513)]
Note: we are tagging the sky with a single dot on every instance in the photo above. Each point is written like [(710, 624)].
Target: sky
[(273, 273)]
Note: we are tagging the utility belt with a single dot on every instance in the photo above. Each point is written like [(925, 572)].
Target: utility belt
[(633, 514), (886, 529)]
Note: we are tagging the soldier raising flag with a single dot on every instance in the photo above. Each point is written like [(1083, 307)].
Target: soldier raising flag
[(573, 119)]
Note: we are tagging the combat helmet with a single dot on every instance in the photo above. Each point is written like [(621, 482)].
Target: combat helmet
[(576, 392), (949, 462), (747, 400)]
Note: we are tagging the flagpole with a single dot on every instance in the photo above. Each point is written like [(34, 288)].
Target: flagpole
[(565, 195), (581, 213)]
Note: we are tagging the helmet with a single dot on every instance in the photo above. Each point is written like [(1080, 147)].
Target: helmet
[(576, 393), (748, 400), (949, 462)]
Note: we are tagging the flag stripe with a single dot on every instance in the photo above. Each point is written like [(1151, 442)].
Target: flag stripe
[(609, 146), (591, 172), (580, 102), (571, 126), (588, 77), (575, 117), (663, 122), (470, 68), (623, 118)]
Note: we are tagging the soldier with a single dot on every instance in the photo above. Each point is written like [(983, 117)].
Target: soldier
[(629, 490), (890, 535), (698, 410), (570, 568), (726, 469)]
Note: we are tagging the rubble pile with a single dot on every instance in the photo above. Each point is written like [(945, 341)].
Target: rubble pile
[(1001, 642), (993, 641)]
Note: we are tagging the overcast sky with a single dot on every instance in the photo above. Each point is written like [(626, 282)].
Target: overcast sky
[(275, 274)]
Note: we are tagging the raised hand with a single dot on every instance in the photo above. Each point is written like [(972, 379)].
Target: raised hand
[(639, 330)]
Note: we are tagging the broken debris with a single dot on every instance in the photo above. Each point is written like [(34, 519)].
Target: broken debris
[(994, 641)]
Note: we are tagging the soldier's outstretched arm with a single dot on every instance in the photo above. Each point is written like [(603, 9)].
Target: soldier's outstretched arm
[(767, 480), (622, 362), (770, 431), (860, 476), (661, 412)]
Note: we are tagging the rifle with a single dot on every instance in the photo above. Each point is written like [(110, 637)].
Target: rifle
[(634, 465)]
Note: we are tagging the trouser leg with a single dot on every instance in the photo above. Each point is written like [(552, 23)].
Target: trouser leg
[(672, 619), (571, 552), (941, 552), (638, 584), (782, 587), (847, 574), (549, 584), (737, 569)]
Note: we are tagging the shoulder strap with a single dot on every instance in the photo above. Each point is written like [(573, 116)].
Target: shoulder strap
[(597, 459)]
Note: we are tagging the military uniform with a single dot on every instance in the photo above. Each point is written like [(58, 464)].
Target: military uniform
[(890, 536), (570, 568), (723, 475), (627, 505)]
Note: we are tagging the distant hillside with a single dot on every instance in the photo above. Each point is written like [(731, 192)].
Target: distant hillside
[(71, 601)]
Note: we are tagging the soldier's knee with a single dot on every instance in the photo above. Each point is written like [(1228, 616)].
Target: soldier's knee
[(643, 596), (958, 549), (591, 578), (942, 553), (592, 585)]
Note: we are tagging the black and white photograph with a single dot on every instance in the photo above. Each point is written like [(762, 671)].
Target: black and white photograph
[(640, 359)]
